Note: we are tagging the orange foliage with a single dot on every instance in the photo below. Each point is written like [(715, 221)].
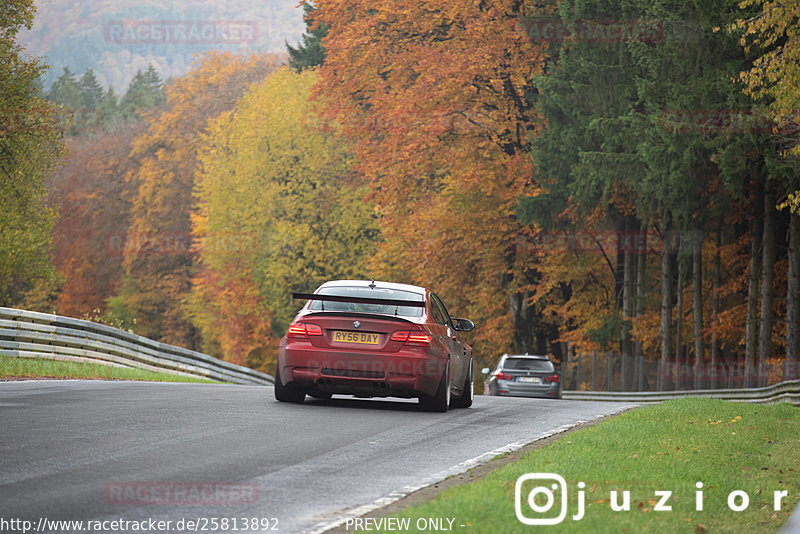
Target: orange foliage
[(234, 311), (93, 200), (160, 279), (433, 95)]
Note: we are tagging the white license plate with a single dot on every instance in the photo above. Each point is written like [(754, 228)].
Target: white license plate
[(529, 379)]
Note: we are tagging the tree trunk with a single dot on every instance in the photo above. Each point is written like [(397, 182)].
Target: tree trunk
[(666, 293), (793, 299), (522, 315), (768, 256), (628, 300), (641, 288), (754, 275), (697, 301), (715, 361)]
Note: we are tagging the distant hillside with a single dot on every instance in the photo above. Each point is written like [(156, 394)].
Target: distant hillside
[(117, 38)]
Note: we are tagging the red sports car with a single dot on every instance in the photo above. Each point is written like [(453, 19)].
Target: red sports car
[(375, 339)]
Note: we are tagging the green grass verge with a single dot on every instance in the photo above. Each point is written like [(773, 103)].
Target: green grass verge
[(670, 446), (42, 368)]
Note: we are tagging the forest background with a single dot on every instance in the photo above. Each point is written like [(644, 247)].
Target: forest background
[(613, 175)]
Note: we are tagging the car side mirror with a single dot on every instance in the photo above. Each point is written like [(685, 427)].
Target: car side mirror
[(463, 325), (485, 371)]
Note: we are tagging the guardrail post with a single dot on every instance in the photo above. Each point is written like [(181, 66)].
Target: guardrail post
[(659, 372), (640, 360), (569, 366), (790, 370)]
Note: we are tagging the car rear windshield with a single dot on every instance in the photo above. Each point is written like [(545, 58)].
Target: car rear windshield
[(366, 292), (527, 364)]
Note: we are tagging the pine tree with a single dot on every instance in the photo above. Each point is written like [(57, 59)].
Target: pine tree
[(108, 107), (310, 53), (90, 89), (66, 91), (145, 91)]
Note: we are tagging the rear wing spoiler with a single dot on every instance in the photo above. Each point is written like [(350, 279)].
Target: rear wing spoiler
[(359, 300)]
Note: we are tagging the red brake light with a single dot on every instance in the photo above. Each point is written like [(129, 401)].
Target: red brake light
[(296, 330), (313, 330), (303, 330), (401, 336), (418, 338), (504, 376), (411, 338), (553, 378)]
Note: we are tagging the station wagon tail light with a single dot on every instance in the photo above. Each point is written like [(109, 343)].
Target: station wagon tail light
[(303, 330), (504, 376), (411, 338), (553, 378)]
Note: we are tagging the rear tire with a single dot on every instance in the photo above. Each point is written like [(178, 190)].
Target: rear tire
[(286, 393), (465, 400), (440, 401)]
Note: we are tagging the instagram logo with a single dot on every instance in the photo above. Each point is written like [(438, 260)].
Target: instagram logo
[(542, 498)]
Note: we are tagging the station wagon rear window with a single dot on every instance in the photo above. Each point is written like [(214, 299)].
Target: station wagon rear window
[(526, 364)]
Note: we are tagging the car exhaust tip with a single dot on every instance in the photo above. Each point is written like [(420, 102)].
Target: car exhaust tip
[(325, 382)]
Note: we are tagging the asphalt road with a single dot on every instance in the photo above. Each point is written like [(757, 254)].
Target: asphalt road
[(94, 450)]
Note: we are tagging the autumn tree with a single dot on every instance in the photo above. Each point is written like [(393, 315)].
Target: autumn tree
[(158, 261), (93, 200), (636, 145), (773, 33), (280, 210), (29, 146), (433, 97)]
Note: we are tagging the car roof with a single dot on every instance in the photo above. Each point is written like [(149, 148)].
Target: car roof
[(378, 283)]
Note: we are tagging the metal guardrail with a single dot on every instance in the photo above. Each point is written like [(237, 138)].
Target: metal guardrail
[(29, 334), (787, 391)]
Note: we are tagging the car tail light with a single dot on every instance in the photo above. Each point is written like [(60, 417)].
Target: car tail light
[(553, 378), (303, 330), (504, 376), (401, 336), (411, 338)]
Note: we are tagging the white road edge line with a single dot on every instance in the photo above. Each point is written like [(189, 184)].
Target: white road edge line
[(459, 468)]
